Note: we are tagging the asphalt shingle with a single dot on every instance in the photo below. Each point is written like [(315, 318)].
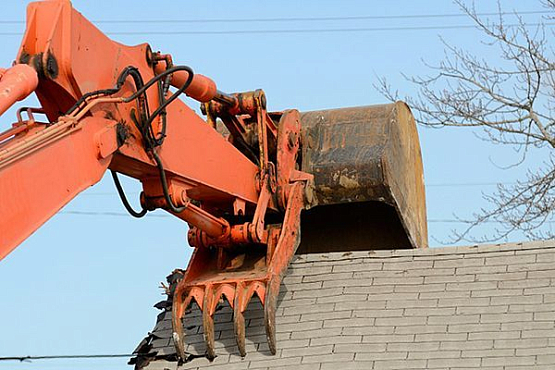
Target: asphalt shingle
[(489, 307)]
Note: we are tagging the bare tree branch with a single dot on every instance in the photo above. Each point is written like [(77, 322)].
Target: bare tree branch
[(512, 100)]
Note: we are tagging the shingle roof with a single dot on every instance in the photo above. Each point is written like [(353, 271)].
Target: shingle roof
[(489, 307)]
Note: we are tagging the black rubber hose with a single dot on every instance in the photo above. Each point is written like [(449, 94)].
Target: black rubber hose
[(164, 182), (123, 198), (144, 124), (151, 139), (158, 77)]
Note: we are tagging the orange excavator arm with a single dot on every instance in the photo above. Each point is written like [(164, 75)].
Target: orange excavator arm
[(110, 106), (240, 178)]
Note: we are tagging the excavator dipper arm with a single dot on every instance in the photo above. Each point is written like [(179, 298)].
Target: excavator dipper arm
[(110, 106)]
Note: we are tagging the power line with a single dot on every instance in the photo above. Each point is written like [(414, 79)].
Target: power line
[(302, 19), (450, 185), (123, 214), (453, 221), (456, 185), (57, 357), (296, 31)]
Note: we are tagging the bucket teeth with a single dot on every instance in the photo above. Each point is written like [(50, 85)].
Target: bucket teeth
[(270, 304), (178, 309), (243, 294), (239, 329), (181, 301), (206, 283), (238, 296), (208, 324), (270, 323), (239, 318), (210, 295)]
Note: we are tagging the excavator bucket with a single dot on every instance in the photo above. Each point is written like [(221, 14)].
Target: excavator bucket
[(368, 180)]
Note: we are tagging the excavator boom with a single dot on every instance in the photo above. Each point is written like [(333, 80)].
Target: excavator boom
[(246, 180)]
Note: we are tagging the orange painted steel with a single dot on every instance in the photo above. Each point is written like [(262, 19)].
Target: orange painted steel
[(202, 88), (38, 184), (21, 126), (74, 58), (109, 107), (16, 84), (259, 273), (240, 185)]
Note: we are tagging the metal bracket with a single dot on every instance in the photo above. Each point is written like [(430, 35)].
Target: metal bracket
[(205, 283)]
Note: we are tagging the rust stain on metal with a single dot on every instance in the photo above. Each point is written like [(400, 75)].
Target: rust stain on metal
[(365, 155)]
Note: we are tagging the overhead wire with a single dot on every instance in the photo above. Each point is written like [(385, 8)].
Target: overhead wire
[(321, 30), (316, 30), (447, 185), (118, 214), (265, 31), (57, 357), (297, 31), (465, 184), (303, 19)]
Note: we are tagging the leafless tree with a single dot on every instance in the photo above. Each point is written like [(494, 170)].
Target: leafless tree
[(512, 100)]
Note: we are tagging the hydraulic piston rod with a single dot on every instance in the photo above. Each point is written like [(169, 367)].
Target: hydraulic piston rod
[(16, 83)]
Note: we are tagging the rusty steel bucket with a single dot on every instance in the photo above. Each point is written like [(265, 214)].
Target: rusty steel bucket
[(368, 177)]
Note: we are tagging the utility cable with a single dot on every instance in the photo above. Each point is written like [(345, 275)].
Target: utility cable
[(296, 31), (56, 357), (437, 185), (104, 213), (304, 19)]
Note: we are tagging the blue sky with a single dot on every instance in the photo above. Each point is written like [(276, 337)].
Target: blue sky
[(86, 284)]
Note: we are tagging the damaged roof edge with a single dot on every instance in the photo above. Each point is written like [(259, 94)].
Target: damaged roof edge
[(375, 308)]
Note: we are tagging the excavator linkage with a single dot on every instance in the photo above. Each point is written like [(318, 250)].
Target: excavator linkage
[(246, 180), (236, 277), (368, 193)]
